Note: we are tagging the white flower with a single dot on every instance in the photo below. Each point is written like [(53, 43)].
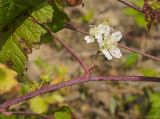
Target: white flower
[(115, 51), (88, 39), (106, 40), (107, 54), (117, 36), (103, 29)]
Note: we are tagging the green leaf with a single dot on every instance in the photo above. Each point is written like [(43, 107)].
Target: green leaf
[(28, 30), (63, 113), (154, 4), (9, 9), (7, 117), (58, 26), (155, 106), (46, 38), (14, 117), (19, 32), (140, 20), (54, 98), (138, 3), (59, 16), (12, 55), (130, 60), (150, 72), (38, 105), (129, 11), (43, 12), (19, 43), (59, 13), (7, 79), (138, 17), (155, 97)]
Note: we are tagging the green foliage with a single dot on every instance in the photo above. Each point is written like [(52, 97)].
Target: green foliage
[(43, 12), (17, 117), (154, 4), (88, 16), (19, 32), (8, 117), (155, 106), (138, 17), (54, 98), (38, 105), (138, 3), (9, 9), (59, 17), (130, 60), (63, 113), (150, 72)]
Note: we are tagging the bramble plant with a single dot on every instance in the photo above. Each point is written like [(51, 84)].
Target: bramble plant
[(24, 23)]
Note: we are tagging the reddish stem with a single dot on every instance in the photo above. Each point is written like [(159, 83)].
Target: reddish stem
[(139, 52), (78, 80), (50, 32), (131, 5)]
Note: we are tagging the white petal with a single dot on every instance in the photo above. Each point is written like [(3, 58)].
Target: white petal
[(88, 39), (103, 29), (117, 36), (115, 52), (108, 30), (107, 54), (99, 39)]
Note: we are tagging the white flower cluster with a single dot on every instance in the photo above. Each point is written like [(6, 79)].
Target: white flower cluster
[(106, 40)]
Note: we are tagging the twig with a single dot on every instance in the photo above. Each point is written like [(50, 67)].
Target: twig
[(141, 53), (71, 27), (131, 5), (78, 80), (84, 66)]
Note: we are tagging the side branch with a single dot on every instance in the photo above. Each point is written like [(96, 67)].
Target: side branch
[(131, 5), (79, 80), (69, 49), (139, 52)]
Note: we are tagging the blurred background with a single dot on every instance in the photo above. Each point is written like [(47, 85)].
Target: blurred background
[(50, 64)]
